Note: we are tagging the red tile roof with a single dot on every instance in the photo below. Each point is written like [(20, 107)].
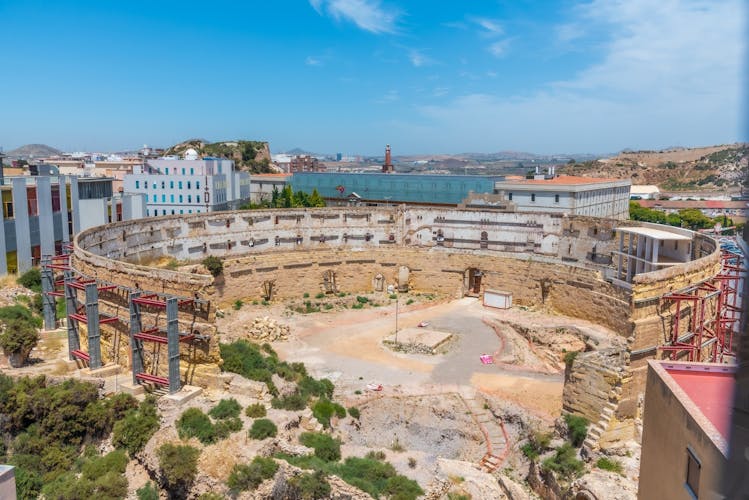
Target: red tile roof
[(568, 179)]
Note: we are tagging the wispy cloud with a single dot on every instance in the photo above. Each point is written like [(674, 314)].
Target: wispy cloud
[(419, 59), (490, 27), (369, 15), (390, 96), (658, 83), (313, 61), (499, 48)]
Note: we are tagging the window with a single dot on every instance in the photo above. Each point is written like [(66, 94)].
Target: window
[(533, 196), (556, 198), (154, 185), (189, 211), (197, 184), (181, 211), (180, 198), (179, 183), (192, 171), (510, 197), (171, 184), (166, 170), (163, 185), (171, 198), (172, 211), (693, 473), (197, 199), (183, 170), (163, 212), (163, 198), (188, 184), (154, 198), (137, 184), (189, 198)]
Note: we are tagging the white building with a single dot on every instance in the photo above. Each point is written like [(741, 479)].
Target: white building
[(192, 185), (567, 194)]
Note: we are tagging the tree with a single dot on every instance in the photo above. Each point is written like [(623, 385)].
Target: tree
[(315, 200), (17, 340), (31, 279), (694, 219), (214, 265)]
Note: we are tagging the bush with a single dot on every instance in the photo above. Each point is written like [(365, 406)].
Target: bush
[(133, 432), (320, 295), (148, 492), (578, 428), (538, 443), (569, 358), (324, 409), (31, 279), (361, 300), (250, 476), (238, 305), (179, 465), (226, 408), (18, 338), (326, 448), (409, 302), (292, 402), (256, 410), (564, 462), (402, 488), (310, 486), (376, 455), (223, 428), (354, 412), (262, 428), (194, 423), (611, 465), (214, 265)]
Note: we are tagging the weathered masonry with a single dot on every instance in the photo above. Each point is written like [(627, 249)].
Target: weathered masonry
[(569, 265)]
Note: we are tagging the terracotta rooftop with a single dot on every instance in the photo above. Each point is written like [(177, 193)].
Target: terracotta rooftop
[(709, 387), (567, 180), (274, 176), (679, 204)]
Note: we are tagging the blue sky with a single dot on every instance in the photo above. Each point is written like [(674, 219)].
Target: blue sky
[(351, 75)]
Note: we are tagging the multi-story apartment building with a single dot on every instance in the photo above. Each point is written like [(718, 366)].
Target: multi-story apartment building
[(175, 186), (42, 213)]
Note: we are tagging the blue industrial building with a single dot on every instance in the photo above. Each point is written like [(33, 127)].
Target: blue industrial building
[(384, 188)]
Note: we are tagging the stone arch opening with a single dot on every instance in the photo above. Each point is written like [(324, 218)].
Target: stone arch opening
[(472, 282)]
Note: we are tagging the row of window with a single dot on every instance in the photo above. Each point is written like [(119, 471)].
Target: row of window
[(171, 185), (174, 171), (171, 198), (533, 197), (174, 212)]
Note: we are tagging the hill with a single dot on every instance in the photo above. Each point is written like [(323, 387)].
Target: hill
[(33, 151), (250, 156), (723, 167)]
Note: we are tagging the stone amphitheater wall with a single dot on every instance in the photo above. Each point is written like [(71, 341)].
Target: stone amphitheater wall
[(555, 261)]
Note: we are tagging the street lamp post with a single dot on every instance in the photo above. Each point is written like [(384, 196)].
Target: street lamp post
[(396, 318)]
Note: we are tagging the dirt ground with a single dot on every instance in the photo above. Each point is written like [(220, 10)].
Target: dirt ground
[(346, 347)]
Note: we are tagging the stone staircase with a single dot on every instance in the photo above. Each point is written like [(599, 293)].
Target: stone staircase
[(497, 442), (596, 430)]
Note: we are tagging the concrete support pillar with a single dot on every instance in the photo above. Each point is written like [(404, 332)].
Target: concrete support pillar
[(3, 249), (64, 208), (136, 347), (641, 243), (172, 336), (48, 300), (44, 209), (649, 254), (74, 343), (93, 327), (621, 257), (656, 249), (74, 205), (630, 264), (23, 231)]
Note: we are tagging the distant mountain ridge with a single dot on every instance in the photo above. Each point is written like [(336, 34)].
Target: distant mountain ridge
[(33, 151)]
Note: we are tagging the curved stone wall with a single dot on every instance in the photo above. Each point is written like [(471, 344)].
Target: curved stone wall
[(560, 262)]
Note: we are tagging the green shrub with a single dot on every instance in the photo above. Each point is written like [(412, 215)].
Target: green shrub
[(31, 279), (194, 423), (179, 466), (148, 492), (262, 428), (609, 464), (578, 428), (306, 295), (292, 402), (361, 300), (320, 295), (409, 302), (324, 409), (226, 408), (564, 462), (326, 448), (214, 265), (312, 486), (224, 427), (376, 455), (133, 432), (538, 443), (402, 488), (393, 296), (322, 388), (18, 337), (569, 358), (238, 305), (354, 412), (245, 477), (256, 410)]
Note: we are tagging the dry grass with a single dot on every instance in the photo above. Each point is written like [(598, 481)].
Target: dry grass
[(217, 460), (8, 280)]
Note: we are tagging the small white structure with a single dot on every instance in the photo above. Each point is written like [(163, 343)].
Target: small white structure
[(644, 192), (498, 299)]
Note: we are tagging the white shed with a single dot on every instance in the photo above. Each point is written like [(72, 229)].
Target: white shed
[(498, 299)]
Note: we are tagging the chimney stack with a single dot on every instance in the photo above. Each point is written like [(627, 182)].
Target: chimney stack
[(387, 167)]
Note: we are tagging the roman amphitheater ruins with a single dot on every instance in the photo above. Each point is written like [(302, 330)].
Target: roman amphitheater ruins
[(652, 285)]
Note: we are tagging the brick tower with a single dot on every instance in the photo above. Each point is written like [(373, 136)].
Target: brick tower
[(387, 167)]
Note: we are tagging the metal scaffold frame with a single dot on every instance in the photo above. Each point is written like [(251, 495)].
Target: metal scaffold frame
[(713, 313)]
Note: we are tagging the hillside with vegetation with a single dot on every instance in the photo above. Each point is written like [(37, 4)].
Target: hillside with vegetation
[(695, 169), (250, 156)]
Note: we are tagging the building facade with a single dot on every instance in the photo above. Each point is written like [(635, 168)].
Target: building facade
[(568, 194), (304, 163), (40, 214), (262, 186), (686, 426), (174, 186)]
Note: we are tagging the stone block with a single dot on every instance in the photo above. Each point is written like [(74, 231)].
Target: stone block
[(132, 389), (245, 387), (185, 394)]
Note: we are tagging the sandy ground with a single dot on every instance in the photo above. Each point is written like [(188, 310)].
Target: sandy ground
[(346, 347)]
